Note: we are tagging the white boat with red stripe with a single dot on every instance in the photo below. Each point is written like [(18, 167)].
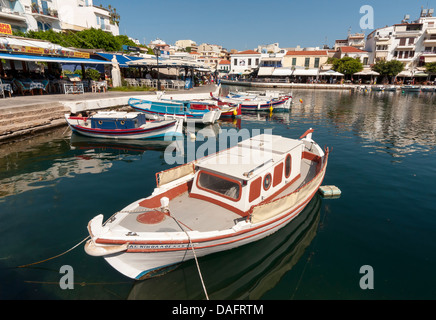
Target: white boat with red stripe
[(219, 202)]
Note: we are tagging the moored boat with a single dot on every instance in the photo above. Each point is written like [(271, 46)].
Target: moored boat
[(174, 109), (258, 103), (123, 125), (410, 88), (428, 89), (219, 202)]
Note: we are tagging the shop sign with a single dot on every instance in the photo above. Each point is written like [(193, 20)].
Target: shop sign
[(5, 28)]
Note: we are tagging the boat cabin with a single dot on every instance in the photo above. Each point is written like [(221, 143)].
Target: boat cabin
[(253, 171), (117, 120)]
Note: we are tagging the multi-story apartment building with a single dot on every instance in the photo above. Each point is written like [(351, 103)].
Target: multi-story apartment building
[(57, 15), (413, 43), (356, 40), (185, 44)]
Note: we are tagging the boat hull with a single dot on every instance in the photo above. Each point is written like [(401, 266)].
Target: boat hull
[(141, 265), (143, 259), (147, 107), (162, 129)]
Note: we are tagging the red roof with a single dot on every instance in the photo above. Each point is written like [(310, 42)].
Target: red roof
[(247, 52), (224, 62), (351, 49), (307, 53)]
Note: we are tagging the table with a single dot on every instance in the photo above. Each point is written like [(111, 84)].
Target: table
[(73, 88)]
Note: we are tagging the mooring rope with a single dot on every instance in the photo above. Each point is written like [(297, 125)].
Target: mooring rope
[(65, 252), (195, 255), (61, 254)]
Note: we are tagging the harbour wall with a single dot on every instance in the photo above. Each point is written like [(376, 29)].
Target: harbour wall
[(285, 85)]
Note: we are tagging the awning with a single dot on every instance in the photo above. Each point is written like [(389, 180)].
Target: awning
[(265, 71), (305, 72), (165, 63), (420, 74), (25, 57), (405, 74), (122, 59), (282, 72), (331, 73), (367, 73)]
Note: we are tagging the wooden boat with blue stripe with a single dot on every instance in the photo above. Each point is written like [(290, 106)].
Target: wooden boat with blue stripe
[(257, 102), (219, 202), (174, 109), (124, 125)]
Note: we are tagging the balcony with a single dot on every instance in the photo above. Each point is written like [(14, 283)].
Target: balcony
[(429, 42), (428, 53), (44, 12), (12, 15)]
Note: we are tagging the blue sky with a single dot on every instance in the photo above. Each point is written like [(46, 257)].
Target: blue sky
[(245, 24)]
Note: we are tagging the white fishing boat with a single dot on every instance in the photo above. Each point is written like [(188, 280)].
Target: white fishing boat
[(219, 202), (123, 125)]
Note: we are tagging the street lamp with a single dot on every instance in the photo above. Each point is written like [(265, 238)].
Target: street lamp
[(157, 54)]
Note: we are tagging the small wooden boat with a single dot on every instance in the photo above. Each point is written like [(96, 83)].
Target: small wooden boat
[(428, 89), (227, 110), (174, 109), (123, 125), (258, 103), (390, 88), (410, 88), (219, 202), (378, 88)]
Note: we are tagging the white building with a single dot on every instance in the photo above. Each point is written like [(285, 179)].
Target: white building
[(57, 15), (411, 42), (244, 62)]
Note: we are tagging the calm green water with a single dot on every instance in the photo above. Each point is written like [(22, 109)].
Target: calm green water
[(383, 160)]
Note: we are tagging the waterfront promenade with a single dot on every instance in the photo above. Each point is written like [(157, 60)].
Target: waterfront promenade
[(290, 85)]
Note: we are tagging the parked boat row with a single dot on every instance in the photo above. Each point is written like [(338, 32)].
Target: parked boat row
[(164, 116), (403, 89)]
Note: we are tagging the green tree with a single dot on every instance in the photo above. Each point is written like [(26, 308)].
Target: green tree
[(430, 67), (347, 65), (388, 69), (85, 39)]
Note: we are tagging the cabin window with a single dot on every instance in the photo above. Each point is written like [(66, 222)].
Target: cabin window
[(267, 181), (219, 185), (288, 165)]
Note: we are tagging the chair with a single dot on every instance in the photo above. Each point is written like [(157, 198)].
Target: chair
[(168, 84), (2, 90), (23, 87)]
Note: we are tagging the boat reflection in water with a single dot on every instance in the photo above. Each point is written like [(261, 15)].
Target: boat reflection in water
[(246, 272), (104, 148)]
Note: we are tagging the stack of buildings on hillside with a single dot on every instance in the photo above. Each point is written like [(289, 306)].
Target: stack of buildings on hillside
[(57, 15)]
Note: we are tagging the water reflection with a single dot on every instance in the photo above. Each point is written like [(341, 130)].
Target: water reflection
[(41, 161), (395, 123), (247, 272)]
